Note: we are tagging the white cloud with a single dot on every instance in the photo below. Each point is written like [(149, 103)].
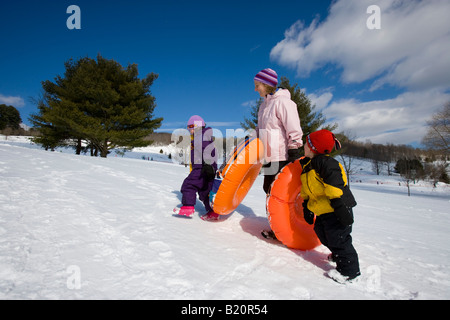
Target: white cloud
[(249, 103), (400, 120), (320, 100), (17, 102), (410, 50)]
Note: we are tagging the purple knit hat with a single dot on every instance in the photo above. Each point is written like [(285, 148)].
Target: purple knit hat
[(196, 121), (267, 76)]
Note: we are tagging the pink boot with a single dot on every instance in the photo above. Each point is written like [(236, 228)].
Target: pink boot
[(186, 211), (210, 216)]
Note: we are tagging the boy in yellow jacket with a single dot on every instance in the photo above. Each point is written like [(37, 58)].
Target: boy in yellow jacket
[(326, 194)]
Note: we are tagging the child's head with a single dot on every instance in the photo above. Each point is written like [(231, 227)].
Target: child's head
[(266, 82), (194, 123), (321, 142)]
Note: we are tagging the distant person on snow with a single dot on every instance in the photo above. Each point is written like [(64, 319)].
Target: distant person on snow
[(326, 195), (203, 170), (278, 128)]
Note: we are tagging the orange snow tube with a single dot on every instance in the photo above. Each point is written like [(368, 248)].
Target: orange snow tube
[(237, 177), (285, 210)]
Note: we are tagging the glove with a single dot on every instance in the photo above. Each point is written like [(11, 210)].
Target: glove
[(293, 154), (344, 214), (208, 172), (307, 214)]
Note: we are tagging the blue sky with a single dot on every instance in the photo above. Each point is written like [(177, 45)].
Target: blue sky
[(377, 84)]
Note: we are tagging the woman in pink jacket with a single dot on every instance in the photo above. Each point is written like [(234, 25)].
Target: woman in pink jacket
[(278, 127)]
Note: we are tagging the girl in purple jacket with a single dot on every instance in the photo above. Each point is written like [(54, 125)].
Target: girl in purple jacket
[(203, 169)]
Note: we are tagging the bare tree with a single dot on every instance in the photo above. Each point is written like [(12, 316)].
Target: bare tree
[(438, 134), (347, 160)]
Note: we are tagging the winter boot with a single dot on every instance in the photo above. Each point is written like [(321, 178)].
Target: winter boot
[(331, 258), (186, 211), (210, 216), (269, 234), (340, 278)]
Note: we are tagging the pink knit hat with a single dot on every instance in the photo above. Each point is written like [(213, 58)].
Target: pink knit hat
[(267, 76)]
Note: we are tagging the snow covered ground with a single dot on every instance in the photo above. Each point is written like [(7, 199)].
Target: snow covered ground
[(78, 227)]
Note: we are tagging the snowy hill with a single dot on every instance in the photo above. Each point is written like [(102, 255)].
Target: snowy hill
[(77, 227)]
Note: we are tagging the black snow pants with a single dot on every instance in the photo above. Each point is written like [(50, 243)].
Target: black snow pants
[(338, 240)]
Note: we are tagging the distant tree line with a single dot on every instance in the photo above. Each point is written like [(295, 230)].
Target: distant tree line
[(160, 138), (411, 163), (19, 132)]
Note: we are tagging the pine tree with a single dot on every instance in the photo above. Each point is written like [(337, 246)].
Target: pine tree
[(251, 123), (310, 120), (101, 102)]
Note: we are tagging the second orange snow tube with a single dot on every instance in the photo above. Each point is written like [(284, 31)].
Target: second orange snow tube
[(285, 210)]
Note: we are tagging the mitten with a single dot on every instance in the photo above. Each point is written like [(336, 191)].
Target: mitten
[(208, 172), (307, 214), (344, 214), (293, 154)]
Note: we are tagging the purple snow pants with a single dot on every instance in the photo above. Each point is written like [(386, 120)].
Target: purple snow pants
[(193, 184)]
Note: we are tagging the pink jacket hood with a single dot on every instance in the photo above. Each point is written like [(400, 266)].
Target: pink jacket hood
[(279, 126)]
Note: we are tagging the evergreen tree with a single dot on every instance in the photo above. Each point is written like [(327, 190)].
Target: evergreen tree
[(252, 122), (409, 168), (9, 117), (98, 101), (309, 119)]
